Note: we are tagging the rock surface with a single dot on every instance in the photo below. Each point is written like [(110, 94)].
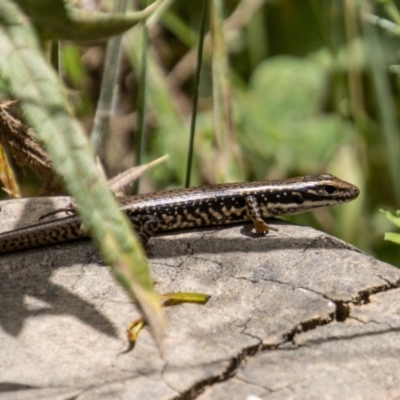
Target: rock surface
[(294, 315)]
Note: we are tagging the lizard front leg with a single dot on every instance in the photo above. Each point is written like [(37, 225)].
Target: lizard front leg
[(254, 213)]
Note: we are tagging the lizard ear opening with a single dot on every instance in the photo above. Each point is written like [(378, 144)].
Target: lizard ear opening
[(297, 197)]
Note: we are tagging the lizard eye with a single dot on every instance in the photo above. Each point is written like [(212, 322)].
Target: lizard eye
[(330, 189)]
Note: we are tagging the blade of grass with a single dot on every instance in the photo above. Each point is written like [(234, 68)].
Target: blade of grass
[(62, 20), (180, 29), (385, 105), (7, 176), (141, 102), (109, 85), (227, 162), (196, 91), (127, 177), (391, 9), (34, 83), (158, 13), (159, 103)]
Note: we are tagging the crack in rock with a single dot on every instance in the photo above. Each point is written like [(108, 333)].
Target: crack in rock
[(229, 372), (364, 295), (205, 259), (308, 326), (342, 310), (341, 313), (250, 351)]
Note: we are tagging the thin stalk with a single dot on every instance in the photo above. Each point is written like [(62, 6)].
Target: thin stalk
[(355, 78), (227, 163), (392, 10), (196, 91), (55, 56), (141, 104), (386, 107), (108, 91)]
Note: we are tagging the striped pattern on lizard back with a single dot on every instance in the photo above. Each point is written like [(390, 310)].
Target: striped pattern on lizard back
[(199, 207)]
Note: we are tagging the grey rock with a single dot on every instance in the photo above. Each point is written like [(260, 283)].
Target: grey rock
[(297, 314)]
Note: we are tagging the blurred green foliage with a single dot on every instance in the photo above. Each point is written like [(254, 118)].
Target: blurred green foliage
[(395, 220), (61, 19), (304, 84)]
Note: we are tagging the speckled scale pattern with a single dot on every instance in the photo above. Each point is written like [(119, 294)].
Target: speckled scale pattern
[(198, 207), (224, 204), (61, 230)]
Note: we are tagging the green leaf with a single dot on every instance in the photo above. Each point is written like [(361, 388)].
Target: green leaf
[(59, 19), (282, 115), (185, 297), (292, 88), (395, 220), (31, 81), (393, 237)]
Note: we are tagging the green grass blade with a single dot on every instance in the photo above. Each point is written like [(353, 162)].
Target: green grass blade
[(196, 92), (34, 83), (385, 104), (61, 20), (172, 136), (109, 85), (141, 104), (227, 164), (393, 237)]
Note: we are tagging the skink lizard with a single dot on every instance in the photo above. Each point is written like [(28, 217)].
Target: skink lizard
[(199, 207)]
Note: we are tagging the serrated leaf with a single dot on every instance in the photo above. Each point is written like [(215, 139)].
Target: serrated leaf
[(32, 82)]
